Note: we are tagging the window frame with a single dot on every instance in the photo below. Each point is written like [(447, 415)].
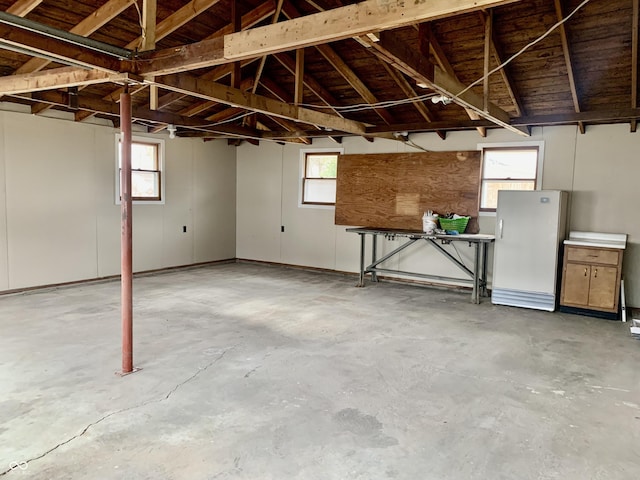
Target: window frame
[(303, 176), (539, 145), (160, 151)]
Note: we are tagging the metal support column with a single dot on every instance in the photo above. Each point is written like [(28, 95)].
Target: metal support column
[(126, 254)]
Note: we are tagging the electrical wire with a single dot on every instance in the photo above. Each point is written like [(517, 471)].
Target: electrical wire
[(419, 98), (522, 50)]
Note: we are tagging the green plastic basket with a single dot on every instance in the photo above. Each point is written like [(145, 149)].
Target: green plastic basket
[(457, 224)]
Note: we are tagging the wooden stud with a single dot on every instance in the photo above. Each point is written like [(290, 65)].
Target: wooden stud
[(299, 77), (568, 61)]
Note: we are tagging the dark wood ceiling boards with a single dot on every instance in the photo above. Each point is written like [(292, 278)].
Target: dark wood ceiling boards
[(580, 73)]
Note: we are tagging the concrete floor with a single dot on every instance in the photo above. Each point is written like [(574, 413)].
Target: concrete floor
[(257, 372)]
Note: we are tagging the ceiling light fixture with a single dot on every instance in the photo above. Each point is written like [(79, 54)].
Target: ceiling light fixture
[(172, 130), (442, 98)]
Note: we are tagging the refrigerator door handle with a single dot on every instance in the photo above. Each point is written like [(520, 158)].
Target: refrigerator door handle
[(500, 225)]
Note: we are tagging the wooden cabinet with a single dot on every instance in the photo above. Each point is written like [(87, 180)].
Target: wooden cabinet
[(591, 278)]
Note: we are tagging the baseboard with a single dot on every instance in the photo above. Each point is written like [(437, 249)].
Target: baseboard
[(111, 278)]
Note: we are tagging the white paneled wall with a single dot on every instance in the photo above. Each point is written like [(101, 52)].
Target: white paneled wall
[(59, 221), (58, 218)]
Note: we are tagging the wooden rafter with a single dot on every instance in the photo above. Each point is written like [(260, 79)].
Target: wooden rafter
[(176, 20), (488, 32), (166, 27), (191, 85), (443, 62), (499, 57), (408, 90), (263, 60), (341, 67), (568, 62), (352, 79), (21, 8), (412, 64), (248, 20), (309, 81)]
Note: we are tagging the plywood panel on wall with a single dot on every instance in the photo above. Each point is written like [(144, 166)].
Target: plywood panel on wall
[(394, 190)]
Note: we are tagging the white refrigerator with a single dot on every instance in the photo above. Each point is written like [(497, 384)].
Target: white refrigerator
[(530, 228)]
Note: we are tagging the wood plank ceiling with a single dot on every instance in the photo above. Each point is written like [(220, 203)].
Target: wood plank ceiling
[(285, 70)]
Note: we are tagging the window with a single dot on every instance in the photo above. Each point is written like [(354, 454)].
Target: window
[(146, 170), (507, 168), (319, 177)]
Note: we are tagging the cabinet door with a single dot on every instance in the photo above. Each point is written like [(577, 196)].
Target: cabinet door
[(576, 284), (602, 290)]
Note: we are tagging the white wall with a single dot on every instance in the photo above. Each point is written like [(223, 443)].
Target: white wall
[(600, 168), (58, 218)]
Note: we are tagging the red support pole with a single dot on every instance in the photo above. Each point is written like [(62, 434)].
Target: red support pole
[(126, 255)]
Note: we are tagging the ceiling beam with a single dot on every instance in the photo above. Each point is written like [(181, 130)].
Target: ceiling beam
[(234, 97), (62, 51), (567, 60), (409, 62), (315, 29), (59, 78), (22, 7), (99, 106), (344, 22)]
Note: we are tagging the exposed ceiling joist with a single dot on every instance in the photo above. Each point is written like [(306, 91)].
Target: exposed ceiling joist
[(22, 7), (344, 22), (234, 97), (99, 106), (59, 78), (315, 29)]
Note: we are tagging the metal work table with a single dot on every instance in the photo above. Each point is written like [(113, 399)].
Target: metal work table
[(478, 276)]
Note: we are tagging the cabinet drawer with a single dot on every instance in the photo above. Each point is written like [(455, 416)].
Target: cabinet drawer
[(592, 255)]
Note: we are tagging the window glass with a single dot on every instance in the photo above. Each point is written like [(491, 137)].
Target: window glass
[(322, 166), (319, 180), (146, 166), (507, 169)]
